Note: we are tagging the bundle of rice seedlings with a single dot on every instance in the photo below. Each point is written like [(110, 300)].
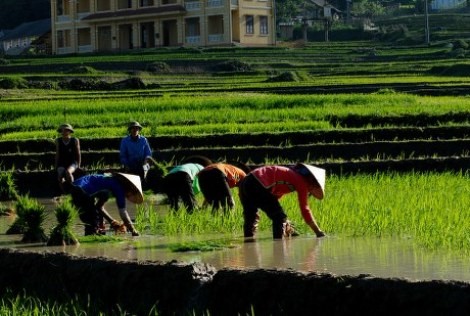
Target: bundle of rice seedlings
[(19, 225), (33, 217), (62, 234)]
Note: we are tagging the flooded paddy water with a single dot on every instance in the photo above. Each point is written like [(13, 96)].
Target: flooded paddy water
[(380, 257)]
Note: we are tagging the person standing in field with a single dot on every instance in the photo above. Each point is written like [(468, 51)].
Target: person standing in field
[(68, 155), (263, 187), (216, 180), (135, 153)]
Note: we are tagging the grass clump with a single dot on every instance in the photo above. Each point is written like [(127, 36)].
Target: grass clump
[(199, 246), (7, 187), (13, 83), (33, 214), (62, 233)]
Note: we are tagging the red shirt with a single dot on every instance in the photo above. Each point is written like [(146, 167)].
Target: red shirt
[(234, 175), (281, 180)]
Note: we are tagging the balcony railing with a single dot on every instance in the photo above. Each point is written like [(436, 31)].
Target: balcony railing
[(215, 38), (63, 18), (85, 48), (193, 39), (214, 3), (64, 50), (192, 5)]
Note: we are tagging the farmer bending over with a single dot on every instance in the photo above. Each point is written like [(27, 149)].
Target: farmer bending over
[(90, 192), (263, 187), (216, 180)]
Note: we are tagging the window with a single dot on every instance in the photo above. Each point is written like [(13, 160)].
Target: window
[(63, 38), (146, 3), (249, 24), (263, 25)]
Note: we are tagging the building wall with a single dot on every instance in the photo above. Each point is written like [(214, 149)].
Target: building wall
[(203, 23)]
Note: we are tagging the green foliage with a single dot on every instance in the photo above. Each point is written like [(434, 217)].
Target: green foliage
[(13, 303), (7, 186), (461, 44), (33, 215), (62, 233), (82, 70), (428, 208), (287, 76), (233, 66), (13, 83), (200, 246), (158, 67)]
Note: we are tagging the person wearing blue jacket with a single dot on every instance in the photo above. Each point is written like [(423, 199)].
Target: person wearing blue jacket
[(90, 193), (135, 153)]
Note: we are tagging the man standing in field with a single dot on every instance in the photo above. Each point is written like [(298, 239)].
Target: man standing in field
[(68, 155), (135, 153)]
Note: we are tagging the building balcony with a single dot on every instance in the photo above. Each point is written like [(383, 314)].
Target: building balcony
[(64, 50), (192, 5), (63, 18), (85, 49), (193, 39), (212, 38), (214, 3)]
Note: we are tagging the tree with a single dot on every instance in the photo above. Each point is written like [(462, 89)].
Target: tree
[(367, 8), (286, 10), (15, 12)]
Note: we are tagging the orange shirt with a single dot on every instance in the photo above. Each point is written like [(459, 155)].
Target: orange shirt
[(234, 175)]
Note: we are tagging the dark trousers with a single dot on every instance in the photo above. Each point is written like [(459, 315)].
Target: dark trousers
[(89, 208), (180, 185), (254, 196), (215, 189)]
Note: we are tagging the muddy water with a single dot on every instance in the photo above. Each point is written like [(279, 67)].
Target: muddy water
[(386, 257)]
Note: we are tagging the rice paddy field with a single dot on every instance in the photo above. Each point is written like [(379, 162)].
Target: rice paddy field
[(389, 124)]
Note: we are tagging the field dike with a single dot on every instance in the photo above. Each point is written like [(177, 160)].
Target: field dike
[(177, 288)]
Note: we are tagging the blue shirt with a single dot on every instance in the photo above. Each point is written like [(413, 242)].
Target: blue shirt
[(133, 152), (94, 183)]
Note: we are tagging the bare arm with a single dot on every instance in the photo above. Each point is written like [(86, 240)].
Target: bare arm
[(79, 154)]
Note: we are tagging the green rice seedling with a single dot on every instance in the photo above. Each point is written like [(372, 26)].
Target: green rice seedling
[(428, 208), (99, 239), (33, 217), (200, 246), (24, 304), (62, 233), (7, 186), (19, 225)]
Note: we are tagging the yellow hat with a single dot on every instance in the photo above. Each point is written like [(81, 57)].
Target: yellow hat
[(131, 184)]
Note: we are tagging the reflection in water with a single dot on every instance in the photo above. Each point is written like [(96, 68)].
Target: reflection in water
[(385, 257)]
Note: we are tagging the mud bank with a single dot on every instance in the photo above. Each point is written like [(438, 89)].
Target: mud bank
[(177, 288)]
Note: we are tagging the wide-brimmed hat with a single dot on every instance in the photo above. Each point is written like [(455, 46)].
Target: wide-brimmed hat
[(134, 124), (318, 175), (65, 126), (131, 184)]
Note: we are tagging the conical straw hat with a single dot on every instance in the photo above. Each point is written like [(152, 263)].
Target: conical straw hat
[(319, 175), (131, 184)]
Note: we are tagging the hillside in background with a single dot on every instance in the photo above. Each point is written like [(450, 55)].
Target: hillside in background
[(16, 12)]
